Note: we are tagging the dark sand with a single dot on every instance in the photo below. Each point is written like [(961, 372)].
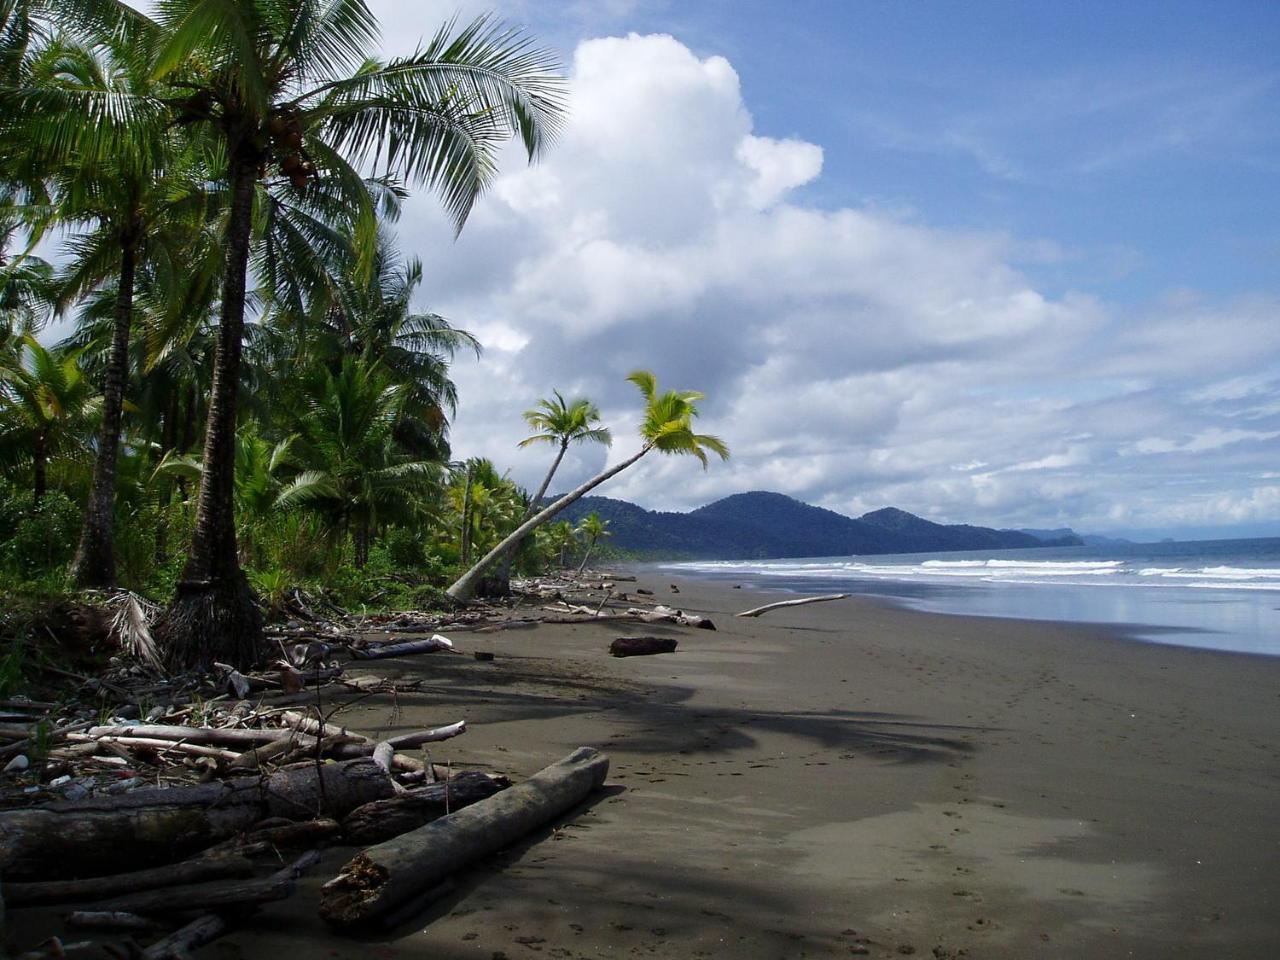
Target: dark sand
[(849, 777)]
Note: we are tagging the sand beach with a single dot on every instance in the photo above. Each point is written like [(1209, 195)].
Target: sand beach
[(853, 779)]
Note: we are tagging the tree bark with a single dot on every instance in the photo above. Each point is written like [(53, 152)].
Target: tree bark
[(101, 888), (214, 614), (179, 944), (464, 587), (154, 826), (383, 819), (504, 576), (388, 875), (39, 468), (642, 646), (95, 562)]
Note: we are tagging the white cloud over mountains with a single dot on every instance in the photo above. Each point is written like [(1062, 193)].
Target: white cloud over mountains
[(851, 357)]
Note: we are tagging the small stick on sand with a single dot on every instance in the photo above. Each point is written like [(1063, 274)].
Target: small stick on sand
[(756, 611)]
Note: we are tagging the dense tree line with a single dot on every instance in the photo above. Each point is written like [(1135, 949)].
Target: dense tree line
[(249, 397)]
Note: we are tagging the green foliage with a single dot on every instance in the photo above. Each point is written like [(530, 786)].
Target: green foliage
[(36, 539)]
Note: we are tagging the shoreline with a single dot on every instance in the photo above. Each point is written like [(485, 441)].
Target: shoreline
[(927, 598), (851, 778)]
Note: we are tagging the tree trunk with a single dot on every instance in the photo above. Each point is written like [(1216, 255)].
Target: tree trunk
[(383, 819), (464, 587), (95, 562), (464, 540), (214, 614), (503, 586), (586, 556), (153, 826), (391, 874), (39, 466)]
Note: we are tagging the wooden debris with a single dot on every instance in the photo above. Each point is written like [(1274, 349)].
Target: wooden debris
[(100, 888), (179, 944), (384, 819), (642, 646), (156, 825), (798, 602), (390, 874), (402, 649)]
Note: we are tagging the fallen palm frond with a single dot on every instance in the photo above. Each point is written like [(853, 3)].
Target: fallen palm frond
[(131, 626)]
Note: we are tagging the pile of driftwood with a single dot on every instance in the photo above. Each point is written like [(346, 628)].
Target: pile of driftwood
[(156, 810)]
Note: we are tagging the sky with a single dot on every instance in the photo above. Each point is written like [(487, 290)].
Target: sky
[(1015, 264)]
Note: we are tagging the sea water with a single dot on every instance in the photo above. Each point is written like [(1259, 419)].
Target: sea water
[(1217, 594)]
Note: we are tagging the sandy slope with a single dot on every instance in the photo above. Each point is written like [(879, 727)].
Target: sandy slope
[(849, 777)]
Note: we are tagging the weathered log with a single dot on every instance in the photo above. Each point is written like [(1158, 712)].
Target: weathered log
[(101, 888), (152, 826), (383, 753), (218, 736), (179, 944), (798, 602), (305, 833), (663, 614), (642, 646), (407, 741), (255, 758), (118, 920), (390, 874), (151, 744), (384, 819), (402, 649), (204, 896)]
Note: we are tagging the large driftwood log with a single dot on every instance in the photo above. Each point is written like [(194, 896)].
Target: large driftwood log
[(101, 888), (403, 648), (151, 826), (217, 736), (179, 944), (388, 875), (642, 646), (664, 614), (215, 896), (798, 602), (384, 819)]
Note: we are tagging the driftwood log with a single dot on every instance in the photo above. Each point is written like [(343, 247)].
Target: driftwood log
[(215, 896), (179, 944), (403, 648), (385, 877), (384, 819), (665, 614), (798, 602), (153, 826), (102, 888), (642, 646)]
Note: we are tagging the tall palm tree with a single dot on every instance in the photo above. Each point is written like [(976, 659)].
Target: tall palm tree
[(120, 203), (286, 89), (594, 529), (47, 406), (667, 427), (559, 422)]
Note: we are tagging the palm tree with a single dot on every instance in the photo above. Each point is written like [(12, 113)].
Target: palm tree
[(667, 427), (560, 423), (593, 528), (120, 202), (359, 477), (561, 538), (47, 407), (286, 89)]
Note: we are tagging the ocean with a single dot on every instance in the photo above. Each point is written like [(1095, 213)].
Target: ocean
[(1215, 594)]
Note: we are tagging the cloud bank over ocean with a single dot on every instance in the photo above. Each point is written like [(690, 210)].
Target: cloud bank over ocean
[(853, 355)]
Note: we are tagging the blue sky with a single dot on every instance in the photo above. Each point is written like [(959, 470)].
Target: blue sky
[(1008, 263), (1003, 263)]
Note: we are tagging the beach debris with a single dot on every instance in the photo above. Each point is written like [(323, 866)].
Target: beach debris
[(390, 875), (798, 602), (665, 614), (674, 588), (383, 819), (403, 648), (154, 825), (642, 646), (179, 944), (90, 889)]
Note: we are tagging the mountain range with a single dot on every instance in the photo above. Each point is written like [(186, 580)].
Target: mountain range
[(762, 525)]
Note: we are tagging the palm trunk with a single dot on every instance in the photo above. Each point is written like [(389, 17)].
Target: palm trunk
[(464, 587), (585, 557), (464, 538), (214, 614), (39, 467), (503, 586), (95, 563)]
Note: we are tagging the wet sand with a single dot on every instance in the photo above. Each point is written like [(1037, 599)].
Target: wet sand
[(851, 778)]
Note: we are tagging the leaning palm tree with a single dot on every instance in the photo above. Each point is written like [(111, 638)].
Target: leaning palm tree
[(667, 427), (559, 422), (287, 91), (594, 529)]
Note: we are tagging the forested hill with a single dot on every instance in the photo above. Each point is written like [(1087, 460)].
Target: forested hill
[(769, 525)]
